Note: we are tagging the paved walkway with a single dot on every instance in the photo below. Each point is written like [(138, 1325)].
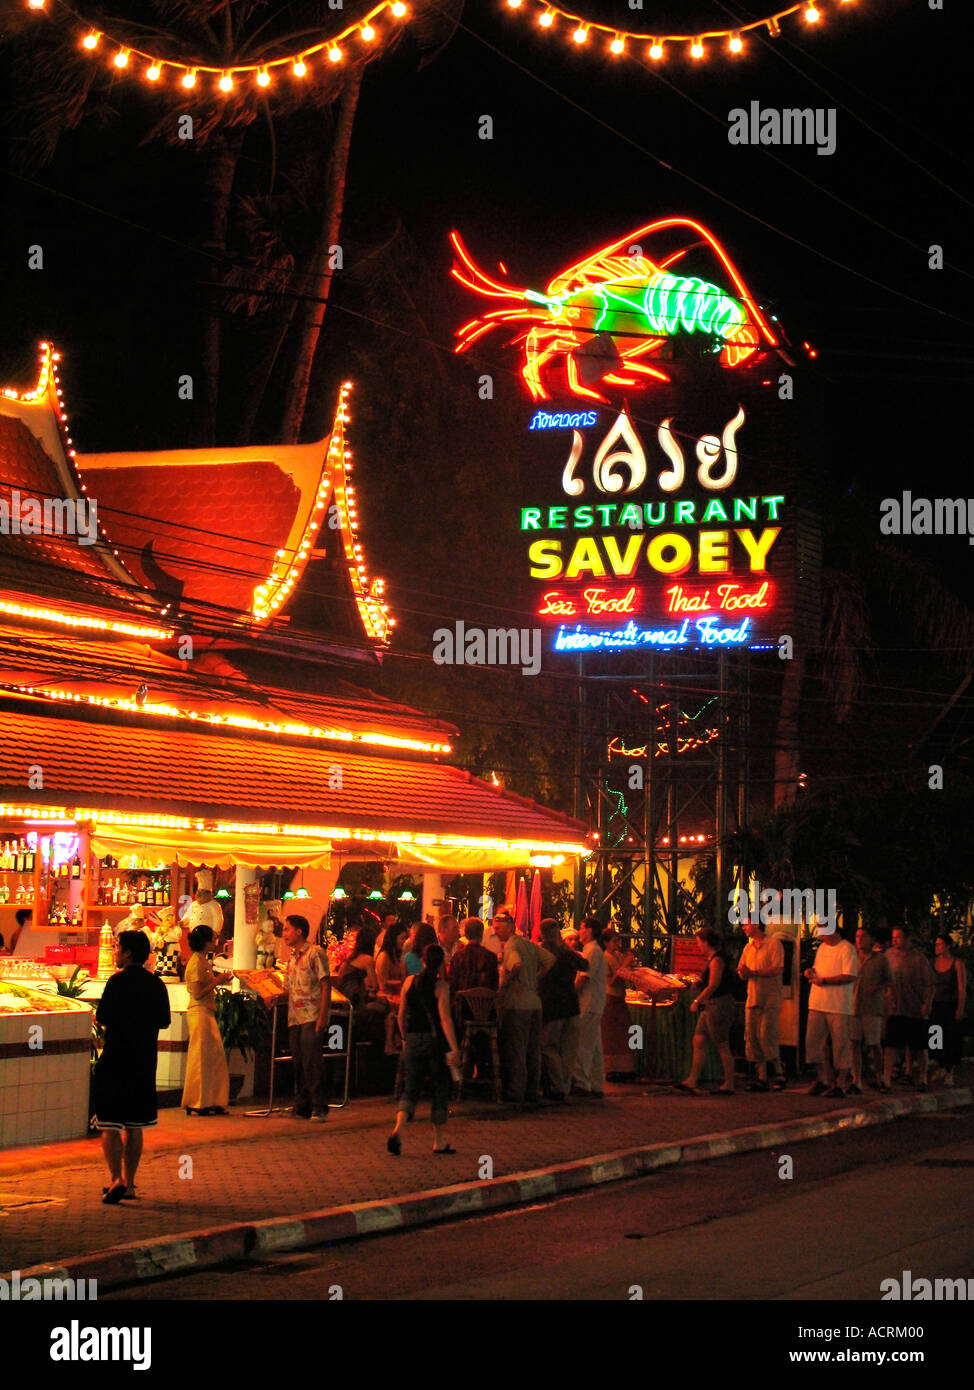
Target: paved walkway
[(204, 1173)]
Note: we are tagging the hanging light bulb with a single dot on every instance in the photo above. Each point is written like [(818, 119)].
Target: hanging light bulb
[(263, 78), (736, 43), (399, 9), (90, 41), (514, 4), (367, 32), (189, 80), (226, 83), (774, 28), (618, 44), (335, 54), (547, 19), (812, 15), (696, 49), (299, 68), (35, 4), (581, 34), (121, 59), (153, 72), (655, 50)]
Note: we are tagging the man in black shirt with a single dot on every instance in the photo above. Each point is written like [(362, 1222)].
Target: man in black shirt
[(560, 1012), (132, 1010)]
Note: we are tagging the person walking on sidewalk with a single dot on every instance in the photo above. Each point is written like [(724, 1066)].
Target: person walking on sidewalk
[(591, 987), (132, 1010), (307, 980), (714, 1007), (868, 1009), (833, 978), (431, 1047), (761, 965), (519, 1006), (912, 995)]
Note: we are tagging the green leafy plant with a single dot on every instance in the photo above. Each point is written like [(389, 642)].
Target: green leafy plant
[(241, 1020), (73, 988)]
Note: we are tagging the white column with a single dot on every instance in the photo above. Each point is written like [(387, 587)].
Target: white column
[(432, 888), (244, 934)]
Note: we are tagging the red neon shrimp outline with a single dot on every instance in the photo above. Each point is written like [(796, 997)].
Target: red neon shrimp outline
[(554, 331)]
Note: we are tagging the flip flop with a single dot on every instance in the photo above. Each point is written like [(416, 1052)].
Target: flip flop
[(129, 1195), (394, 1144), (448, 1150), (114, 1195)]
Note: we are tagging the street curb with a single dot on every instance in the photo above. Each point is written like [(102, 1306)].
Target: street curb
[(141, 1261)]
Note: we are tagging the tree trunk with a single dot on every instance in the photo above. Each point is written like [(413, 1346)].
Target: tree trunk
[(787, 751), (219, 185), (318, 280)]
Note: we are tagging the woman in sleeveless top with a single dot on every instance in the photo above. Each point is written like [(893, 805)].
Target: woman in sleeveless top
[(949, 1002), (714, 1007), (431, 1047)]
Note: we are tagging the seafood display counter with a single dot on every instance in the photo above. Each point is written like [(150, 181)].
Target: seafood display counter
[(45, 1050)]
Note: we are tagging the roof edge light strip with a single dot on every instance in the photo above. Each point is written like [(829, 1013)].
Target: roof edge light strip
[(368, 596), (236, 721), (84, 620)]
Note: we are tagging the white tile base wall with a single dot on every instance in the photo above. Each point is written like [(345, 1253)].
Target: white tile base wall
[(43, 1094)]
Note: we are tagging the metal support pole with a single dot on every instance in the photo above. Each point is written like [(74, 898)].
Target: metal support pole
[(723, 724)]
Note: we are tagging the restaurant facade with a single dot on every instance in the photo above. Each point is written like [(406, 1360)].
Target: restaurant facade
[(159, 713)]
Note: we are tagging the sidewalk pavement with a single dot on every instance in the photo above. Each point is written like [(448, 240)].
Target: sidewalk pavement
[(217, 1188)]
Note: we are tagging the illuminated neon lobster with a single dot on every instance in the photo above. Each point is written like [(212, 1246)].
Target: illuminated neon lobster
[(618, 291)]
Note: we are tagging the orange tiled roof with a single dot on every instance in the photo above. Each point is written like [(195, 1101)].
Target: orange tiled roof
[(213, 776)]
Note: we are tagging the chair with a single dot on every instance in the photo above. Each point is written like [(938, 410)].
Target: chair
[(477, 1013)]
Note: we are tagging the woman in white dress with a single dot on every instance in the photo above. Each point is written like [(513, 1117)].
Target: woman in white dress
[(207, 1088)]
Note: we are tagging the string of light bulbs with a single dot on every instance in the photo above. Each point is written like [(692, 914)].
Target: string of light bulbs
[(656, 44), (127, 59)]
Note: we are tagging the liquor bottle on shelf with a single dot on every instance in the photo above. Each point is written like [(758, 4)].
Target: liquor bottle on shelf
[(150, 895), (19, 857), (140, 897), (76, 867), (165, 892), (29, 860)]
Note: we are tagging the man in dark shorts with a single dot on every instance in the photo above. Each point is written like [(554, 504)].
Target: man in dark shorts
[(912, 994), (132, 1010)]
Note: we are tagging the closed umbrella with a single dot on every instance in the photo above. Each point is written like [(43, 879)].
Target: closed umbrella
[(534, 908)]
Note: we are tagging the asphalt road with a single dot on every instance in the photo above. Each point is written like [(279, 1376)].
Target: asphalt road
[(856, 1209)]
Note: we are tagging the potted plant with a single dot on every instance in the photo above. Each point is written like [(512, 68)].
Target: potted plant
[(242, 1022)]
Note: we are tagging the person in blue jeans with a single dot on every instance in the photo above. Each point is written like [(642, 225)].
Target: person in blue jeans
[(431, 1047)]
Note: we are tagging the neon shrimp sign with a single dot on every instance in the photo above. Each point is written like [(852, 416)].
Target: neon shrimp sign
[(622, 294)]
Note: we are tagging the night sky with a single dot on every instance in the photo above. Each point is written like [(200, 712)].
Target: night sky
[(585, 149)]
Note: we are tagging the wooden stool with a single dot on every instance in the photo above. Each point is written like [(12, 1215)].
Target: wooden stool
[(481, 1005)]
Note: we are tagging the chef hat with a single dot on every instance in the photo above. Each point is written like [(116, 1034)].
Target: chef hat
[(204, 880), (137, 913)]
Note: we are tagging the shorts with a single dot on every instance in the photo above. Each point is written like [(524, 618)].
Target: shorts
[(868, 1029), (913, 1033), (821, 1027), (715, 1018), (761, 1031)]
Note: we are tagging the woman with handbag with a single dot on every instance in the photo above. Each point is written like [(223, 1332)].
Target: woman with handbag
[(431, 1047)]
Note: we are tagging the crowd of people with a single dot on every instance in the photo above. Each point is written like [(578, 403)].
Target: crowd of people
[(877, 1011)]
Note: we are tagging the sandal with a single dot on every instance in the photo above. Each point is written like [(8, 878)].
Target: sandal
[(394, 1144), (114, 1195), (449, 1149)]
